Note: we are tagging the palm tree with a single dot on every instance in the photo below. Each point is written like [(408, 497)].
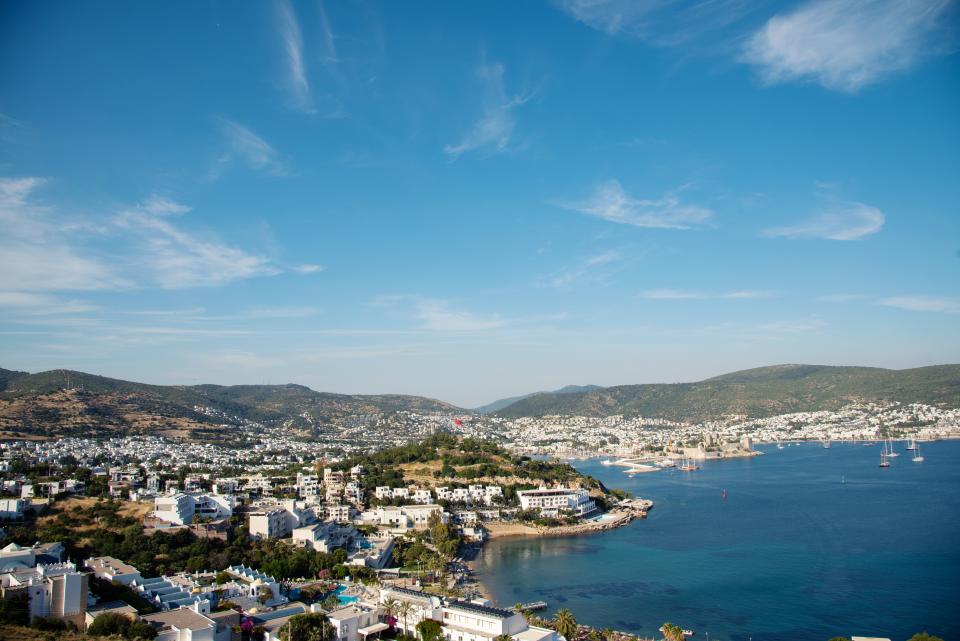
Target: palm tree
[(390, 609), (565, 623), (404, 610), (672, 632), (608, 634)]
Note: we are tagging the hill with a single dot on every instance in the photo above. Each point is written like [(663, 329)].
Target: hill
[(490, 408), (65, 403), (764, 391)]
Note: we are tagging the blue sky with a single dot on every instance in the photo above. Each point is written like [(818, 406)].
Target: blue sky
[(477, 199)]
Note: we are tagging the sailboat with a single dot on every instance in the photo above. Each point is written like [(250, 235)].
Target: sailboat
[(890, 451), (917, 457), (884, 462), (911, 444)]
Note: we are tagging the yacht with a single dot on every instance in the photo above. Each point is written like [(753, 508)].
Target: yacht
[(891, 453), (884, 461), (826, 445), (911, 444), (917, 456)]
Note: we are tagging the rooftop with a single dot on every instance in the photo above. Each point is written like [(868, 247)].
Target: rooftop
[(487, 610), (181, 618)]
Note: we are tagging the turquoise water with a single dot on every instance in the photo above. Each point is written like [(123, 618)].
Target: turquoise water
[(809, 543), (344, 600)]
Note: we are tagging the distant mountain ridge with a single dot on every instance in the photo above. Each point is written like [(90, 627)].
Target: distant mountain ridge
[(63, 402), (68, 403), (764, 391), (490, 408)]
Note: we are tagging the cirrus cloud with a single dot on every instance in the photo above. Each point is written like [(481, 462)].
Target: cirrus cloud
[(610, 202), (841, 221), (846, 45)]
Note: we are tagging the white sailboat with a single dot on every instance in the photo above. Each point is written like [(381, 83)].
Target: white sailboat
[(911, 444), (884, 461), (891, 453), (917, 456)]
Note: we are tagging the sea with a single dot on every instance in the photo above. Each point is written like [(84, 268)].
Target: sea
[(798, 543)]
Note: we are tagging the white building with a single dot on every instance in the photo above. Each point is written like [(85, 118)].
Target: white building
[(552, 502), (418, 516), (111, 569), (324, 537), (54, 591), (15, 557), (182, 624), (349, 621), (278, 520), (181, 508), (13, 509), (463, 620)]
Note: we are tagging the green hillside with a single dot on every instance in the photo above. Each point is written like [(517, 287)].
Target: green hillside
[(756, 392), (63, 402)]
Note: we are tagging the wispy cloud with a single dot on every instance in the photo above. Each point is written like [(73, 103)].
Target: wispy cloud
[(610, 202), (280, 312), (250, 148), (660, 22), (35, 246), (438, 315), (585, 267), (291, 38), (846, 45), (924, 303), (163, 206), (494, 129), (33, 303), (308, 268), (684, 294), (176, 259), (330, 55), (840, 221), (840, 298)]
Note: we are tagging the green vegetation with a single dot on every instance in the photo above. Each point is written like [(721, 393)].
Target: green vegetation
[(672, 632), (429, 630), (311, 626), (111, 623), (566, 624), (463, 458), (765, 391)]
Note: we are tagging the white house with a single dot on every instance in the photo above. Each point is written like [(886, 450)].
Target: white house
[(55, 590), (325, 536), (111, 569), (182, 624), (349, 621), (13, 509), (553, 502), (180, 508)]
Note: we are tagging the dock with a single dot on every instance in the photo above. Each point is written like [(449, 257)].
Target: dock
[(533, 606)]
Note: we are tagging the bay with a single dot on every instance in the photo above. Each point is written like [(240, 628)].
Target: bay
[(809, 543)]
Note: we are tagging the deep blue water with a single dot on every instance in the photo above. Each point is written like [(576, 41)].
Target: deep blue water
[(792, 553)]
